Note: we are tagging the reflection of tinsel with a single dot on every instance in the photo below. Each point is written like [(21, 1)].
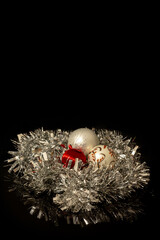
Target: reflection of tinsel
[(42, 206), (90, 194)]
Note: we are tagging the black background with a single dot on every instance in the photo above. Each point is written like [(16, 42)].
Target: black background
[(53, 82)]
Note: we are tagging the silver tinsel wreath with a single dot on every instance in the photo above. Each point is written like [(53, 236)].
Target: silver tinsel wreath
[(39, 174)]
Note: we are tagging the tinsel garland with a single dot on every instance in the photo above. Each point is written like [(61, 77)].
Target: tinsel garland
[(87, 195)]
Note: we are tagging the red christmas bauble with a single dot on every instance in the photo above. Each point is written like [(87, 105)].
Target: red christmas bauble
[(72, 154)]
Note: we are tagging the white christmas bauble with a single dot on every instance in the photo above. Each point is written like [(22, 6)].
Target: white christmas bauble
[(83, 139), (102, 156)]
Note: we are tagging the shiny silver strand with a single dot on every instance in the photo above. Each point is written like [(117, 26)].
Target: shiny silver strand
[(38, 171)]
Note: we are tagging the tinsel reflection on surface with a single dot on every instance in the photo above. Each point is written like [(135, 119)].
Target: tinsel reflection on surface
[(88, 195)]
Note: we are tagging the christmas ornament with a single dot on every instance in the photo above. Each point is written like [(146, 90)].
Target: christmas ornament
[(102, 156), (83, 139), (54, 187), (71, 157)]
